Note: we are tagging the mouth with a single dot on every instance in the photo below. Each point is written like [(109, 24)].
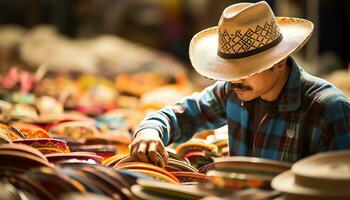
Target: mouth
[(239, 91)]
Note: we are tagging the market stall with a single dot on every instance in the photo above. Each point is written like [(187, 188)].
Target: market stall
[(69, 108)]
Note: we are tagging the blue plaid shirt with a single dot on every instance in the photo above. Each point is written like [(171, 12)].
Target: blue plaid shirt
[(310, 116)]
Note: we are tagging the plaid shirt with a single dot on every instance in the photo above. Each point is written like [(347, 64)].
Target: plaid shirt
[(310, 116)]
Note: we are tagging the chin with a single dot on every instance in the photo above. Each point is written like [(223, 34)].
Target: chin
[(245, 97)]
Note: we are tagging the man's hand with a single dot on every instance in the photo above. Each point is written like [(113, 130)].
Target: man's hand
[(148, 147)]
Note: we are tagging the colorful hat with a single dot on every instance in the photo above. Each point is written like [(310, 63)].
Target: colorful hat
[(195, 145), (9, 133), (46, 145), (150, 170), (77, 130)]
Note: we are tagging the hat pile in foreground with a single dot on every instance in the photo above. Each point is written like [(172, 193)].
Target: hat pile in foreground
[(321, 176)]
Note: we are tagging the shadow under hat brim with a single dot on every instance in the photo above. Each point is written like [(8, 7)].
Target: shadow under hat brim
[(204, 46)]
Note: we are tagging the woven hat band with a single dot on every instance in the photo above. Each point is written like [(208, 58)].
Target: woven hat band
[(238, 44)]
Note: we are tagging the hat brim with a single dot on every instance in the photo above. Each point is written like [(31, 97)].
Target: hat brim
[(204, 46), (285, 183)]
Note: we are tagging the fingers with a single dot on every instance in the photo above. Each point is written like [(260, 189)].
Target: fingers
[(133, 151), (163, 153), (152, 152), (133, 147), (148, 147), (155, 156), (142, 152)]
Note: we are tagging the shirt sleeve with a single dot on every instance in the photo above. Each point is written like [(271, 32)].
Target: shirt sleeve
[(200, 111), (340, 127), (336, 129)]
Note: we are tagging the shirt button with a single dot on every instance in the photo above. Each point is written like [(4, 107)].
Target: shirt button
[(290, 133)]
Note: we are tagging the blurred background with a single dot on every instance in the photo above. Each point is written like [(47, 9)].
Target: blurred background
[(169, 25), (162, 26)]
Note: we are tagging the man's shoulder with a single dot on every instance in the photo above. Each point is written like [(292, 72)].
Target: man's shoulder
[(322, 92)]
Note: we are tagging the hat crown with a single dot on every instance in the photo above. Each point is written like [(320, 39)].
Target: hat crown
[(246, 29)]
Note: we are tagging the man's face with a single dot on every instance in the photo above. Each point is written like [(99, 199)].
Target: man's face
[(258, 85)]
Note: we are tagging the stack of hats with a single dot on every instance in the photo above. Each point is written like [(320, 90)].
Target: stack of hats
[(177, 170), (74, 158), (150, 170), (175, 163), (8, 133), (149, 189), (18, 158), (321, 176), (31, 131), (50, 183), (197, 151), (203, 147), (235, 173), (10, 192), (220, 139)]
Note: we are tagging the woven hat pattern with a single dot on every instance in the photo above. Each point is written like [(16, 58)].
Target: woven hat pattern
[(258, 38)]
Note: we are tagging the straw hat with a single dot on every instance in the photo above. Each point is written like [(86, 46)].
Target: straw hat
[(321, 176), (249, 39)]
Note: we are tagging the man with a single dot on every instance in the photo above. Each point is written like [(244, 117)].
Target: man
[(272, 107)]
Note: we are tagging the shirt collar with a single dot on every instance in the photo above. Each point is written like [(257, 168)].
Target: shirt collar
[(290, 97)]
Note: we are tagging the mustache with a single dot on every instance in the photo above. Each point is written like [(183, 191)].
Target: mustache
[(241, 86)]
